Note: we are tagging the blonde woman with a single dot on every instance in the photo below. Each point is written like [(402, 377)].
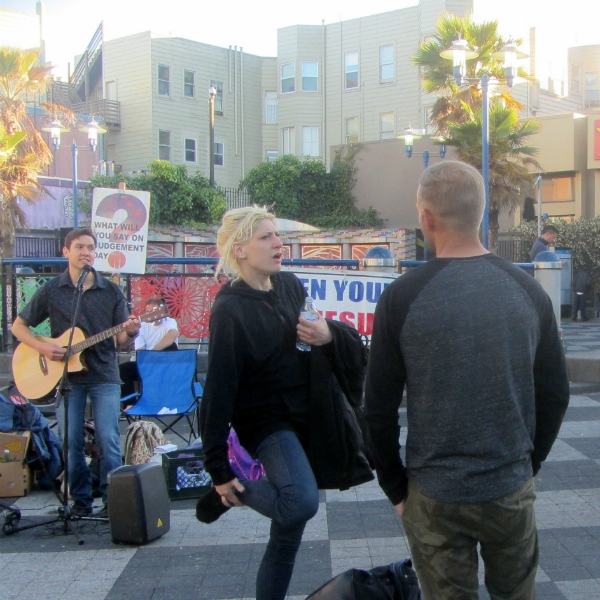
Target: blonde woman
[(259, 383)]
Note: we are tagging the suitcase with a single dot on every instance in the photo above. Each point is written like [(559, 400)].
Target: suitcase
[(138, 504)]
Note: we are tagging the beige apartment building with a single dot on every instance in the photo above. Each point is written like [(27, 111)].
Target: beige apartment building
[(162, 83), (329, 85)]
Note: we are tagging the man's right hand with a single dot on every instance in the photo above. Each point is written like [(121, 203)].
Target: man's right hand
[(52, 351)]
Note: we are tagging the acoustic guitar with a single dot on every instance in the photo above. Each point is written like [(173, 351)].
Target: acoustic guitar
[(36, 375)]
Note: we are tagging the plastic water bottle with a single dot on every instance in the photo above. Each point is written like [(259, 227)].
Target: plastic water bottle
[(310, 313)]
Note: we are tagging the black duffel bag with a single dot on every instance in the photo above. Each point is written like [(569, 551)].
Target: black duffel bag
[(397, 581)]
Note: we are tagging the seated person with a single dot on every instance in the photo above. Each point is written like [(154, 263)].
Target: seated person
[(160, 335)]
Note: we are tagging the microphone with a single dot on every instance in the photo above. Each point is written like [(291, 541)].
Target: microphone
[(84, 271)]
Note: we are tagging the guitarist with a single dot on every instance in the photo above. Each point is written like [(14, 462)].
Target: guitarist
[(103, 306)]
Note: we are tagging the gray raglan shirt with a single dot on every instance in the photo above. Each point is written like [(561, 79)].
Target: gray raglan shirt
[(475, 342)]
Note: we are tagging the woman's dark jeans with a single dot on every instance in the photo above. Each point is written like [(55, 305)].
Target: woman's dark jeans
[(288, 495)]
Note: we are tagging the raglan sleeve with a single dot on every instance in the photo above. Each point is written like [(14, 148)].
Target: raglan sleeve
[(386, 378), (551, 383)]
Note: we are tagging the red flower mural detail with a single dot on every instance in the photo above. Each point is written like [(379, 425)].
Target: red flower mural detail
[(189, 300)]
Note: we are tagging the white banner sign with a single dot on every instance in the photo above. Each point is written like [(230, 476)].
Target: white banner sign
[(120, 222), (347, 296)]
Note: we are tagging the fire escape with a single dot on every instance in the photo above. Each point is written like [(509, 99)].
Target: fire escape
[(84, 93)]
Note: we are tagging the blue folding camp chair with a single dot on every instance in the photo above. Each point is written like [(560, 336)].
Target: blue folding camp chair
[(169, 389)]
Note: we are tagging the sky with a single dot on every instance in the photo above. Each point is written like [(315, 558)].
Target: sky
[(252, 24)]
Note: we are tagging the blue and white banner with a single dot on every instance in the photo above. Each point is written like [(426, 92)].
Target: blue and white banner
[(347, 296)]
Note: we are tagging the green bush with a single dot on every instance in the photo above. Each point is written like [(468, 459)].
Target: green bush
[(176, 197), (301, 189)]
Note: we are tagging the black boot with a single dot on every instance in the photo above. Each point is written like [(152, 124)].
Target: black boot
[(210, 507)]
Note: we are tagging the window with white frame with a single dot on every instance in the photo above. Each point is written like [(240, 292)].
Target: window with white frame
[(387, 129), (351, 70), (188, 84), (310, 141), (352, 130), (218, 85), (219, 154), (592, 90), (270, 107), (288, 140), (428, 124), (310, 76), (164, 80), (288, 83), (271, 155), (190, 150), (386, 64), (164, 145)]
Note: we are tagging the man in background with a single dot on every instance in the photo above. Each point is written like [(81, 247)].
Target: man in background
[(582, 284), (543, 243), (474, 340), (159, 335)]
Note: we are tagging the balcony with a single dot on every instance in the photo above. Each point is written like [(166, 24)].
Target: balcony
[(108, 110)]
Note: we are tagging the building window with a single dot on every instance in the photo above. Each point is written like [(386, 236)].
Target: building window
[(310, 76), (190, 150), (164, 80), (575, 79), (428, 124), (592, 90), (288, 140), (387, 130), (287, 78), (188, 84), (219, 154), (351, 70), (110, 90), (270, 107), (558, 189), (352, 130), (218, 85), (310, 141), (271, 155), (386, 63), (164, 145)]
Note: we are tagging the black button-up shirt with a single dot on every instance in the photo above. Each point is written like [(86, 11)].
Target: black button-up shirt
[(102, 306)]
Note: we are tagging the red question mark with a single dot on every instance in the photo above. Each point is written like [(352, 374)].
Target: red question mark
[(136, 217)]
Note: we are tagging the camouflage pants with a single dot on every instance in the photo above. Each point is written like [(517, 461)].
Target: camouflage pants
[(443, 542)]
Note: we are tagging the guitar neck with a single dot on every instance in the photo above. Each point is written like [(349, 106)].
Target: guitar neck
[(94, 339)]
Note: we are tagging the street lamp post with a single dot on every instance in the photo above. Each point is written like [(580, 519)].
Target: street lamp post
[(459, 53), (212, 94), (92, 129), (410, 135)]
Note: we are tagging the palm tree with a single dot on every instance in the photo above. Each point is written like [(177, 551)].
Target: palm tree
[(21, 77), (437, 71), (511, 158)]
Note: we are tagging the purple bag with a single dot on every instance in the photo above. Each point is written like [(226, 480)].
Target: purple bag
[(242, 464)]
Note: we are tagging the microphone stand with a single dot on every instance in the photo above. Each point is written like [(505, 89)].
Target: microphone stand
[(64, 388)]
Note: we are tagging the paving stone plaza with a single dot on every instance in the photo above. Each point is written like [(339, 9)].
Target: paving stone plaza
[(356, 528)]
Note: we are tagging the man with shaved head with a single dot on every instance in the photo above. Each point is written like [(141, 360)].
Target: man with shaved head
[(474, 341)]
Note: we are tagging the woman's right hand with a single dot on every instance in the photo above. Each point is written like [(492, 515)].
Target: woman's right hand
[(227, 492)]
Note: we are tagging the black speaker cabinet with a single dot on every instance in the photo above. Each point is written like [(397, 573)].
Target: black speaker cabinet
[(138, 504)]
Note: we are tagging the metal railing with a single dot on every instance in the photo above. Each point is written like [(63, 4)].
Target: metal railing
[(108, 110), (188, 295), (236, 197), (87, 58)]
